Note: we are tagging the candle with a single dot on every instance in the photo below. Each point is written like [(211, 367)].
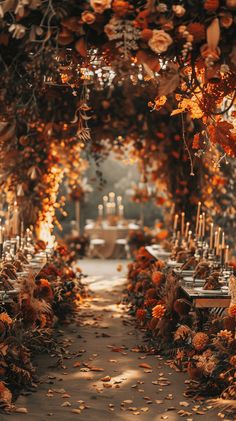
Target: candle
[(223, 240), (100, 210), (203, 224), (119, 200), (105, 200), (22, 229), (15, 219), (189, 237), (226, 255), (198, 215), (186, 230), (217, 241), (113, 208), (111, 196), (121, 210), (17, 242), (218, 238), (200, 225), (182, 223), (175, 222), (211, 235)]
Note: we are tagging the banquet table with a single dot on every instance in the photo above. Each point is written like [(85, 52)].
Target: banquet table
[(110, 234), (209, 300)]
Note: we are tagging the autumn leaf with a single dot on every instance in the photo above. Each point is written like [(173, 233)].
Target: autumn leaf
[(145, 365), (221, 133), (196, 140)]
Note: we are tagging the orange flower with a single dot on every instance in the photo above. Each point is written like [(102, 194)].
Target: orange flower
[(233, 360), (197, 30), (232, 310), (157, 277), (151, 293), (5, 318), (159, 264), (158, 311), (88, 17), (211, 5), (200, 340), (141, 314), (150, 302), (146, 34), (121, 8), (162, 235), (225, 335), (226, 20)]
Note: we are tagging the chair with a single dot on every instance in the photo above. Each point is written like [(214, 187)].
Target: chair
[(95, 246), (123, 246)]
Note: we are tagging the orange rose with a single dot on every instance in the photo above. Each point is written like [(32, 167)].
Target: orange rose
[(211, 5), (160, 41), (197, 30), (232, 310), (120, 7), (226, 20), (231, 4), (88, 17), (99, 6)]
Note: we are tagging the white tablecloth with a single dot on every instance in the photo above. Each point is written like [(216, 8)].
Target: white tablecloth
[(109, 234)]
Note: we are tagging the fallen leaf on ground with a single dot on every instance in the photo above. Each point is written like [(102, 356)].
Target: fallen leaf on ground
[(145, 365), (65, 404), (106, 379), (92, 368), (77, 364), (21, 410)]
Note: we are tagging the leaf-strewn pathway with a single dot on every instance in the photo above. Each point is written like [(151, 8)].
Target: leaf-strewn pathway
[(103, 377)]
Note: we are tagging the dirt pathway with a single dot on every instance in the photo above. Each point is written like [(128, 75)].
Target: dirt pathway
[(103, 376)]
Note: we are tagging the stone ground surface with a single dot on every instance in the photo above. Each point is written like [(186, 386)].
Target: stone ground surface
[(103, 339)]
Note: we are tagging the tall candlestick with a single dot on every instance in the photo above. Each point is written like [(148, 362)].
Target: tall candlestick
[(203, 224), (15, 219), (17, 242), (189, 237), (182, 223), (175, 222), (113, 208), (22, 229), (100, 210), (197, 218), (186, 229), (119, 200), (223, 240), (219, 236), (211, 235), (217, 243), (226, 255), (121, 210), (111, 196), (200, 227), (105, 200)]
